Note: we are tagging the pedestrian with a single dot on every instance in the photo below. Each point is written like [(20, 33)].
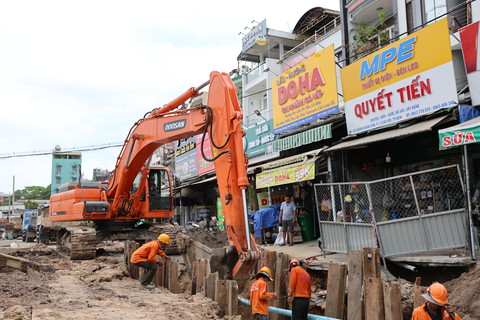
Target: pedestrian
[(436, 307), (145, 257), (299, 290), (287, 218), (326, 208), (259, 296)]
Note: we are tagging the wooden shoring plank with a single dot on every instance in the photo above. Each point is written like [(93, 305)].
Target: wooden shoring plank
[(232, 298), (374, 302), (210, 281), (418, 290), (173, 276), (23, 264), (393, 300), (336, 282), (354, 285), (221, 295), (371, 262), (194, 277)]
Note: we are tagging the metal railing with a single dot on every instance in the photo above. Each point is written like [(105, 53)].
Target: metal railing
[(320, 34)]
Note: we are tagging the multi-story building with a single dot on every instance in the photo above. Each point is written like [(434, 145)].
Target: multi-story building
[(65, 168)]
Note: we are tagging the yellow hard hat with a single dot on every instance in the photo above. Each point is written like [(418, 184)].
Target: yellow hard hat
[(165, 238), (266, 272)]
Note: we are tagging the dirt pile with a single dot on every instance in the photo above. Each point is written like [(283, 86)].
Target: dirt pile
[(464, 294), (95, 289), (212, 239)]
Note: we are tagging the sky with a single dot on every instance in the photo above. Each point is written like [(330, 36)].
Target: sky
[(81, 73)]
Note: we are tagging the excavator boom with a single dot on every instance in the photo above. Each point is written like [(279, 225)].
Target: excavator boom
[(124, 199)]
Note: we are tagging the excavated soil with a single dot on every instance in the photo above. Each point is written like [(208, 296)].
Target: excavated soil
[(95, 289), (464, 294)]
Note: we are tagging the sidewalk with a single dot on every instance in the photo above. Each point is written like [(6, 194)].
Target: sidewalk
[(311, 252)]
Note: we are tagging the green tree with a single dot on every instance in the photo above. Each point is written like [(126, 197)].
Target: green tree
[(30, 204), (33, 193)]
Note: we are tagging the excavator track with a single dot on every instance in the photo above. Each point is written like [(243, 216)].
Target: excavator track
[(175, 247), (78, 243)]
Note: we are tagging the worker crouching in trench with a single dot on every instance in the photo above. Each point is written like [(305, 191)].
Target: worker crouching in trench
[(145, 257)]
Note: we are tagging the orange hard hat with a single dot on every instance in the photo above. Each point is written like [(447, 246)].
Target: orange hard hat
[(293, 263), (266, 272), (436, 294), (165, 238)]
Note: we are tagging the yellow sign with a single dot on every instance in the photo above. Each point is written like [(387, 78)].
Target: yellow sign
[(416, 53), (302, 172), (409, 78), (306, 92)]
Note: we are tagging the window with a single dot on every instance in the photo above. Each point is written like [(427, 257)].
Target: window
[(59, 169), (58, 180), (419, 12)]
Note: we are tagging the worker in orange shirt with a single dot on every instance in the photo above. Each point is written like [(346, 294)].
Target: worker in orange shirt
[(436, 307), (259, 296), (299, 290), (145, 257)]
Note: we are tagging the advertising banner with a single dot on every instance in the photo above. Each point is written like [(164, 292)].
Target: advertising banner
[(464, 133), (257, 138), (469, 37), (306, 92), (204, 166), (291, 174), (409, 78), (276, 198), (186, 164)]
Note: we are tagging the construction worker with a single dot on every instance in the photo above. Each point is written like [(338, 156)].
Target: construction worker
[(299, 290), (259, 296), (436, 306), (145, 257)]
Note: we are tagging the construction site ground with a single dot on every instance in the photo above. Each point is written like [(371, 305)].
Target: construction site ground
[(97, 289), (102, 289)]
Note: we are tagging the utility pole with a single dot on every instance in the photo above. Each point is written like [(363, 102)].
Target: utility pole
[(13, 198)]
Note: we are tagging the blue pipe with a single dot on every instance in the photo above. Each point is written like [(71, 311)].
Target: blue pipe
[(288, 313)]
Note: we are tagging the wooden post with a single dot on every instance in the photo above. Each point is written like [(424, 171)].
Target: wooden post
[(280, 283), (393, 300), (173, 276), (335, 304), (202, 271), (271, 262), (418, 290), (221, 294), (374, 302), (371, 262), (354, 285), (232, 298), (210, 282), (194, 277)]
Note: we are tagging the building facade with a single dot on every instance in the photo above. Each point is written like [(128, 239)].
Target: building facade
[(66, 167)]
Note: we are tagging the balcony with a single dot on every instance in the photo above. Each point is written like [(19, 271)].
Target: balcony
[(367, 10)]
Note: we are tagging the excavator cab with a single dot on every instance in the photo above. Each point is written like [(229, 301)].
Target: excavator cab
[(154, 185), (160, 189)]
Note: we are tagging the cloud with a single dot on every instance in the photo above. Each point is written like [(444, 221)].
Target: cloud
[(82, 73)]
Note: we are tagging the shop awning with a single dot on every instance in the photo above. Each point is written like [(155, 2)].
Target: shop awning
[(418, 127), (301, 171), (303, 157), (461, 134)]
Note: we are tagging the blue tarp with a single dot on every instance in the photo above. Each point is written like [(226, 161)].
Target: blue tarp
[(265, 218), (468, 112)]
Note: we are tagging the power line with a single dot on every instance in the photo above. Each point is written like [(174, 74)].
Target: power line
[(71, 149)]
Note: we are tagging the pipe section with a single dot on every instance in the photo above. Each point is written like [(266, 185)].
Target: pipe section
[(288, 313)]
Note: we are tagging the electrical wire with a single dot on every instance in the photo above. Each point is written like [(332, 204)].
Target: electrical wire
[(47, 152)]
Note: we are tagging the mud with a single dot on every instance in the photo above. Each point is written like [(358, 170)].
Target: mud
[(95, 289)]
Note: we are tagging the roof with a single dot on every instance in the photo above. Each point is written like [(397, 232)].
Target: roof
[(418, 127), (314, 19)]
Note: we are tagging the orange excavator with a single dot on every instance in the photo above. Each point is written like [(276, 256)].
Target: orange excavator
[(130, 195)]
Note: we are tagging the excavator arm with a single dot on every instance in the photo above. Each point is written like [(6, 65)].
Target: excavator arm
[(221, 118)]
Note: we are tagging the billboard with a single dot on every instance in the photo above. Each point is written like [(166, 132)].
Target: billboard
[(409, 78), (469, 37), (257, 138), (186, 164), (306, 92)]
